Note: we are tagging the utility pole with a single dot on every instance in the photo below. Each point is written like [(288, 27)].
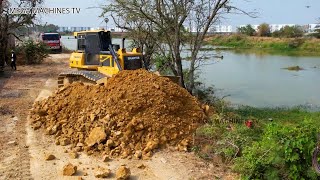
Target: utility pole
[(106, 20)]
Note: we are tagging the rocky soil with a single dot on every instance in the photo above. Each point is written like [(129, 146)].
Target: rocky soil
[(29, 154), (135, 113)]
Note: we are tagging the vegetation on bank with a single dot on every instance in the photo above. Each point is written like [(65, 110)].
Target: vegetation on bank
[(289, 31), (279, 144), (31, 52), (296, 46), (294, 68)]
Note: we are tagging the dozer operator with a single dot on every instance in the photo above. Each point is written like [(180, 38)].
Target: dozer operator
[(97, 59)]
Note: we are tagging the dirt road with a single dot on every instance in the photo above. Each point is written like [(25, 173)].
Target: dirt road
[(23, 150)]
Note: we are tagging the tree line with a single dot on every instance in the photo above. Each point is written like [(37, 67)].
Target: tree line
[(264, 30), (25, 30)]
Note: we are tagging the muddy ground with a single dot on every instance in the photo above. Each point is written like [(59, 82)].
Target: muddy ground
[(23, 150)]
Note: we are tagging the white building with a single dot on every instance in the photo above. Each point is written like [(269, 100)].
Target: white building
[(72, 29), (273, 27), (213, 29), (117, 29), (313, 27), (220, 29), (62, 29)]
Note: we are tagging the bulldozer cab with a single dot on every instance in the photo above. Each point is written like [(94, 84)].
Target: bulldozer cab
[(96, 52), (92, 44)]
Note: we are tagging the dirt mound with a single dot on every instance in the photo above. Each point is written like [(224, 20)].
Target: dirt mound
[(135, 113)]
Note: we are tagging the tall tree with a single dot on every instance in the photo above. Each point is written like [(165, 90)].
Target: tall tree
[(141, 31), (169, 19), (9, 22), (264, 30), (247, 30), (291, 31)]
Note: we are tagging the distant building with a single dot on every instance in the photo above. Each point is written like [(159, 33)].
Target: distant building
[(312, 27), (72, 29), (278, 27), (117, 29), (220, 29), (62, 29), (273, 27)]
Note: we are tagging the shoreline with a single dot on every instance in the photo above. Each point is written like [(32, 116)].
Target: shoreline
[(266, 45)]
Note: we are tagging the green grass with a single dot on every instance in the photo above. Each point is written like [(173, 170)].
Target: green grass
[(270, 45), (277, 114), (239, 145)]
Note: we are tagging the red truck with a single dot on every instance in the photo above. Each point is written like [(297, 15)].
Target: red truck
[(52, 40)]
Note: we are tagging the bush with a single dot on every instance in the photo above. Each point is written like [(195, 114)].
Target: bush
[(316, 34), (278, 146), (289, 32), (284, 152), (295, 43), (247, 30), (31, 52), (264, 30)]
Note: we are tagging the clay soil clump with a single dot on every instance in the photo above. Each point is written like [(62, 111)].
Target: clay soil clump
[(133, 114)]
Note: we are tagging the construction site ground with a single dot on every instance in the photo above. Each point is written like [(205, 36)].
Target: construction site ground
[(23, 150)]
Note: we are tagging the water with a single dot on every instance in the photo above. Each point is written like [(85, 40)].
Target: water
[(258, 80), (69, 42)]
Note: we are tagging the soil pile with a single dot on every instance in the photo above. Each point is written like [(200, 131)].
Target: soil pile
[(135, 113)]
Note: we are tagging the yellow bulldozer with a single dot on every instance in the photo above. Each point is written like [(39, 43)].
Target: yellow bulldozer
[(96, 59)]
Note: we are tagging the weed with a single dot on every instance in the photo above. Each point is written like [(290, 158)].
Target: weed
[(279, 146)]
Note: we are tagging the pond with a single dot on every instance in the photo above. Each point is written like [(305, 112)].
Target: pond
[(258, 80), (261, 81)]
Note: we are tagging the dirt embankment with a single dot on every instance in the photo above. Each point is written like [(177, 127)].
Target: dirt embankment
[(134, 114)]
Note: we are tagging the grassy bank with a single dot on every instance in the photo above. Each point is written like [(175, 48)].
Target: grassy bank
[(278, 146), (301, 46)]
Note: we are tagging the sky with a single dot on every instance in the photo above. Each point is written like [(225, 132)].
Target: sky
[(269, 11)]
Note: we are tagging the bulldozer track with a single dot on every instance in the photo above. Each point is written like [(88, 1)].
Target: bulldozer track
[(90, 75)]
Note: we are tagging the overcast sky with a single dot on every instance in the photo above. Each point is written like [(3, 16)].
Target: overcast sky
[(269, 11)]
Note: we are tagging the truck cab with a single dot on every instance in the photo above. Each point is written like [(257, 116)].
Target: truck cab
[(52, 40)]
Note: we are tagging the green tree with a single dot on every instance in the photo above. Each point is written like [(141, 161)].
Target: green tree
[(283, 152), (247, 30), (264, 30), (9, 22), (291, 31), (140, 31), (46, 28), (276, 34)]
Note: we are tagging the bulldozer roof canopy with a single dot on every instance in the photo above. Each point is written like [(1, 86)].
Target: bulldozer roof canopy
[(75, 34)]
